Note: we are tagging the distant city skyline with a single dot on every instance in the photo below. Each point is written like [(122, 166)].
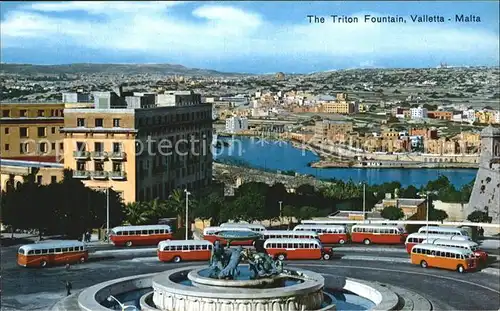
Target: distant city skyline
[(253, 37)]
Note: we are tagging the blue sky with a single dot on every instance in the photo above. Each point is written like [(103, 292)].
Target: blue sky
[(256, 37)]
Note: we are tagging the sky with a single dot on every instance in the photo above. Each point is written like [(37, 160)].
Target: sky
[(253, 37)]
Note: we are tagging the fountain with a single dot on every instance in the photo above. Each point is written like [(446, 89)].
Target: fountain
[(238, 279)]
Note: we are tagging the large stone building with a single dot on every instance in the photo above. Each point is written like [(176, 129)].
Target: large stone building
[(30, 131), (332, 130), (142, 153), (486, 192)]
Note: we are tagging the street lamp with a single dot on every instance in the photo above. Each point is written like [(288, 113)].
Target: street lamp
[(281, 216), (124, 307), (427, 214), (364, 201), (187, 211), (107, 213)]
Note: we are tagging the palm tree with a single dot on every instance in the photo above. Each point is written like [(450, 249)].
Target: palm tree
[(177, 203), (137, 213)]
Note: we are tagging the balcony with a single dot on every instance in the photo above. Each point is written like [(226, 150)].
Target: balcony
[(118, 175), (81, 155), (99, 175), (99, 155), (81, 174), (118, 156)]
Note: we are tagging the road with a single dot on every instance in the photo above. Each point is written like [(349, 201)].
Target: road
[(39, 289)]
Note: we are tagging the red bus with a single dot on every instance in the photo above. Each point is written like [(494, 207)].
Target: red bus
[(140, 235), (187, 250), (297, 249), (379, 234), (210, 234), (418, 238), (328, 234), (52, 253), (463, 244)]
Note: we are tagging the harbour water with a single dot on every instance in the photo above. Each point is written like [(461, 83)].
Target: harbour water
[(280, 155)]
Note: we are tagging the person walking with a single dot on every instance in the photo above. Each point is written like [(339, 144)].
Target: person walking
[(69, 286)]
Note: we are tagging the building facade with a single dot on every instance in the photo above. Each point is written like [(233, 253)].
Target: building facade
[(332, 129), (418, 113), (31, 131), (142, 153), (236, 124)]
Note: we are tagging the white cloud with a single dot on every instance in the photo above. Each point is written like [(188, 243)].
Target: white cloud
[(221, 31)]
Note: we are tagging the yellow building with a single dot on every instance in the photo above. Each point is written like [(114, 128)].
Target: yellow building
[(30, 131), (488, 117), (13, 171), (142, 153)]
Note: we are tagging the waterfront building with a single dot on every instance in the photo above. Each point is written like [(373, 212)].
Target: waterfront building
[(410, 207), (142, 153), (331, 129), (418, 113), (442, 146), (31, 131), (486, 189), (236, 124), (424, 132)]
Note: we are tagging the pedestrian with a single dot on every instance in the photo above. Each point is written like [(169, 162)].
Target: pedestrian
[(87, 236), (68, 288), (68, 267)]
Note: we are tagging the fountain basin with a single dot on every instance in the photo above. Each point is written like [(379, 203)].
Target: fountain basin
[(171, 295)]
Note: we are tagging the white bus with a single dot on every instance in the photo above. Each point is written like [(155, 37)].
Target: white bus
[(418, 238), (443, 230), (253, 227), (463, 244), (273, 234)]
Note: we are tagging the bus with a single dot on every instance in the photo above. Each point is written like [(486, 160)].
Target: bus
[(443, 230), (272, 234), (451, 258), (463, 244), (188, 250), (210, 234), (140, 235), (328, 234), (253, 227), (52, 253), (283, 248), (417, 238), (379, 234)]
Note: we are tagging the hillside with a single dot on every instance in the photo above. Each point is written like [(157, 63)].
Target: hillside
[(160, 69)]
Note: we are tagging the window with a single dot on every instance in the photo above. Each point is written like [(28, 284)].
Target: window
[(23, 132), (116, 122), (98, 122), (80, 122), (39, 179), (61, 146), (53, 179), (42, 147), (5, 113), (53, 146), (53, 130), (80, 166), (7, 147), (117, 147), (6, 130), (23, 113), (41, 113), (80, 146), (41, 132), (99, 166), (98, 147)]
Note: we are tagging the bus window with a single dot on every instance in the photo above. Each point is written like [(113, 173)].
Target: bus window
[(37, 251), (44, 251), (191, 247), (21, 251), (184, 247), (58, 250)]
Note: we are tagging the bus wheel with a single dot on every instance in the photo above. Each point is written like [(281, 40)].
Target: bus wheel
[(43, 264), (460, 269), (281, 257), (341, 241), (128, 244), (367, 242), (82, 259), (177, 259), (326, 256), (423, 264)]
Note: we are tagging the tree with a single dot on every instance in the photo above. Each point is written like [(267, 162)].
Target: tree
[(392, 213), (411, 192), (306, 212), (289, 211), (176, 202), (479, 216), (137, 213), (210, 204), (437, 214)]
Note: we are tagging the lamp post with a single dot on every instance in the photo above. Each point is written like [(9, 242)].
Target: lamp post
[(107, 213), (187, 211), (280, 202), (364, 202), (427, 216), (111, 298)]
